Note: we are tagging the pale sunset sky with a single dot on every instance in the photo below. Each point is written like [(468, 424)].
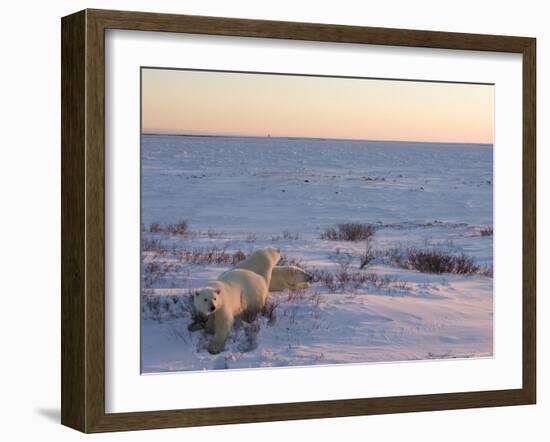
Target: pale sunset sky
[(223, 103)]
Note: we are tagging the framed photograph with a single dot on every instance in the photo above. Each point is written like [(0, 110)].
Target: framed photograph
[(267, 220)]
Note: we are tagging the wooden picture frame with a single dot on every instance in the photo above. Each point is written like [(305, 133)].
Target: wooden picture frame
[(83, 220)]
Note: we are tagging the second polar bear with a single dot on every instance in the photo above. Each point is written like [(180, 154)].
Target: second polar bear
[(235, 292), (262, 261), (289, 278)]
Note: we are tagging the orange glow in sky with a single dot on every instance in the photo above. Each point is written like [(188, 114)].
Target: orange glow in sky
[(220, 103)]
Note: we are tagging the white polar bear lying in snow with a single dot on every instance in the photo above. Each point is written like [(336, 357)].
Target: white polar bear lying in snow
[(244, 290), (235, 292), (289, 278), (241, 290)]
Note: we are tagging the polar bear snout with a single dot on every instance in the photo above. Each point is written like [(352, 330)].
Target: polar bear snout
[(212, 308), (309, 277)]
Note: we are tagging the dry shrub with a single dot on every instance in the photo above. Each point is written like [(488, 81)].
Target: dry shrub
[(289, 235), (152, 245), (290, 261), (211, 233), (437, 261), (211, 255), (486, 231), (161, 308), (368, 255), (349, 232), (180, 228), (344, 279), (238, 256), (153, 272)]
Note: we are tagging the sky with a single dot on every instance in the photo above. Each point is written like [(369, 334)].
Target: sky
[(228, 103)]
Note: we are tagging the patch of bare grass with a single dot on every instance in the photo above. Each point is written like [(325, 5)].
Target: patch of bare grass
[(434, 261), (154, 271), (214, 234), (290, 261), (486, 271), (161, 308), (180, 228), (210, 255), (349, 232), (437, 261), (152, 245), (368, 255), (486, 231), (287, 234), (345, 279)]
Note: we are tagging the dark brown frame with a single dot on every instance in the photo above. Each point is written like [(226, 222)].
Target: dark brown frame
[(83, 217)]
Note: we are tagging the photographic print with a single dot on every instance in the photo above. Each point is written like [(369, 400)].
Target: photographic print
[(302, 220)]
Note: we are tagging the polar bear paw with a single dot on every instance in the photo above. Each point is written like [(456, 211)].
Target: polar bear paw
[(215, 347)]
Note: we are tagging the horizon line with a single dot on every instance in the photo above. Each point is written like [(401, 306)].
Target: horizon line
[(294, 137)]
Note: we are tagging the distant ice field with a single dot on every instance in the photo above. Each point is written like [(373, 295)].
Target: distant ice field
[(238, 183)]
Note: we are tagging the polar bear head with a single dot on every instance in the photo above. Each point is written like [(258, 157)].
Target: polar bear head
[(207, 300), (298, 278), (289, 278)]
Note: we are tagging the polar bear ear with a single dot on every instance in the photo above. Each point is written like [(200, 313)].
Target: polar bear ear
[(217, 291), (197, 293)]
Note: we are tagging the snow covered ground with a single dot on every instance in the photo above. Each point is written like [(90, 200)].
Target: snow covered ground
[(241, 193)]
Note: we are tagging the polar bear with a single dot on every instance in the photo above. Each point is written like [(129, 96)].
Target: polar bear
[(289, 277), (235, 292), (262, 261)]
